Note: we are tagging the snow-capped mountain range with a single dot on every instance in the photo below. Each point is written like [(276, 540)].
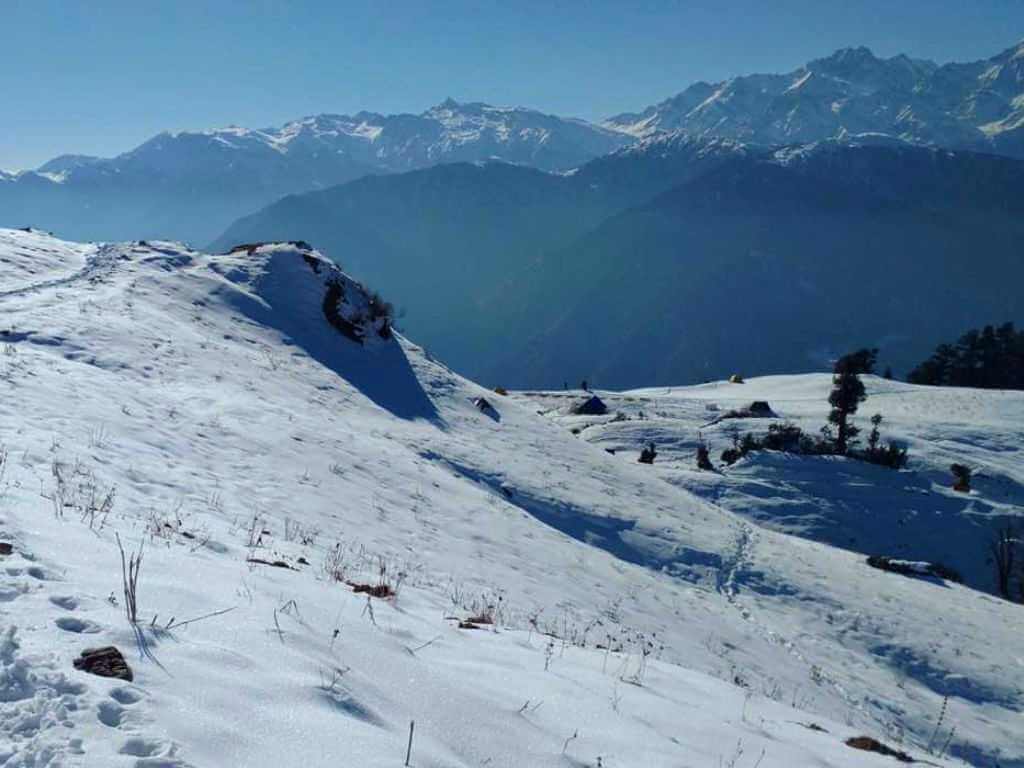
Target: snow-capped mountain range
[(977, 105), (448, 132), (191, 185)]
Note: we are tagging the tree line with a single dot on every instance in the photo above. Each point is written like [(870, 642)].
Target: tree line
[(990, 358)]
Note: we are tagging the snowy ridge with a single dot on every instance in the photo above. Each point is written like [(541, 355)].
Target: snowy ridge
[(669, 143), (255, 450)]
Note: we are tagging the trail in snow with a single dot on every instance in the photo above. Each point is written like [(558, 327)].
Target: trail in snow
[(43, 711), (98, 266)]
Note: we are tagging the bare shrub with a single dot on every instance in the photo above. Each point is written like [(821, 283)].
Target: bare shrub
[(297, 532), (99, 437), (962, 473), (175, 526), (77, 488), (130, 568), (330, 678), (3, 462), (1004, 549), (255, 532), (388, 582), (339, 561)]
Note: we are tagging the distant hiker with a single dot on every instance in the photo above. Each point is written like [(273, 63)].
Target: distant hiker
[(647, 454), (583, 386), (565, 385)]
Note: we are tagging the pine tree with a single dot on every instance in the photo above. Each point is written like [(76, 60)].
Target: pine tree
[(874, 436), (847, 395)]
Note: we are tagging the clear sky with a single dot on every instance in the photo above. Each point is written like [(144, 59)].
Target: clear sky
[(101, 76)]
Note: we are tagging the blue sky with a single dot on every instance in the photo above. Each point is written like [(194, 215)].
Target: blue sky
[(99, 77)]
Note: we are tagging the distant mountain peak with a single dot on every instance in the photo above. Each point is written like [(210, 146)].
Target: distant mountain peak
[(450, 107), (860, 53), (65, 163)]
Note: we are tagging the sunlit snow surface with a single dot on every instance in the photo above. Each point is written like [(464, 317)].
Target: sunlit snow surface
[(236, 424)]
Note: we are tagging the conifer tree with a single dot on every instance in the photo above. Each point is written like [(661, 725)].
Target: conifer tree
[(847, 395)]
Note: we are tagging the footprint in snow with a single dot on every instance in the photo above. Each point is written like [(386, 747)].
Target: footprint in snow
[(154, 753), (38, 573), (77, 626), (12, 592), (125, 696), (151, 753), (67, 602), (38, 704), (110, 713)]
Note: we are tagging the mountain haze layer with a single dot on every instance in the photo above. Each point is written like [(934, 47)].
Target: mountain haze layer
[(191, 185), (779, 262), (683, 259)]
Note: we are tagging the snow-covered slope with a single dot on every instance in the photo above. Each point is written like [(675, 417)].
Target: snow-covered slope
[(911, 514), (852, 93), (636, 624), (192, 184)]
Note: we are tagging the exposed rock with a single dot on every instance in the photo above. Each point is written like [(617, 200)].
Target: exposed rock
[(271, 563), (105, 662), (593, 406), (758, 409), (373, 590), (869, 744), (914, 568), (252, 247)]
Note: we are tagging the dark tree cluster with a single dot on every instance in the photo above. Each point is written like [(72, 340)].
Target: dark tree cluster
[(992, 358), (839, 436), (785, 437)]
